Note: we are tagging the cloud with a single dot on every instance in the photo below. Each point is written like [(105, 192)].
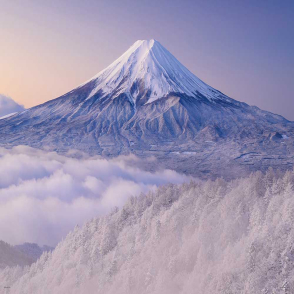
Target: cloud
[(43, 195), (8, 106)]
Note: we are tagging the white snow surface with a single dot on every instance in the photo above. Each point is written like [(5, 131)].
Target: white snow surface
[(149, 61)]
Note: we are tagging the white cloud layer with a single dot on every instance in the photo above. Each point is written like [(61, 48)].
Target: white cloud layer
[(8, 106), (43, 195)]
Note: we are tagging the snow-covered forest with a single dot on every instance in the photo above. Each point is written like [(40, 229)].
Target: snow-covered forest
[(206, 237)]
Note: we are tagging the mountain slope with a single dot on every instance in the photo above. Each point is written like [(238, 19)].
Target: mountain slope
[(209, 237), (148, 103), (33, 250), (11, 256)]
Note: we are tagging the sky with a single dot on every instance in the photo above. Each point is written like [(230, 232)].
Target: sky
[(242, 48)]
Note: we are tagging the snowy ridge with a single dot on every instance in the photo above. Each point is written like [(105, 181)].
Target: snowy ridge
[(150, 62), (33, 250), (10, 256)]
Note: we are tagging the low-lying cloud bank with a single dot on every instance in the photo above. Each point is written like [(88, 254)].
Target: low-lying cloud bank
[(8, 106), (43, 195)]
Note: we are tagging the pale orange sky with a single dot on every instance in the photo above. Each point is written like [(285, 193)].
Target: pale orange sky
[(244, 50)]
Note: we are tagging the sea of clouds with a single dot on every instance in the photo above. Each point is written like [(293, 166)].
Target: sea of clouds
[(43, 195)]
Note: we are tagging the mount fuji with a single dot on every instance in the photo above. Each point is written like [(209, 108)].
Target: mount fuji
[(148, 104)]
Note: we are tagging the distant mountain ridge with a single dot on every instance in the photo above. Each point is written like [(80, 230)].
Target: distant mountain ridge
[(11, 256), (33, 250), (147, 103), (20, 255), (8, 106)]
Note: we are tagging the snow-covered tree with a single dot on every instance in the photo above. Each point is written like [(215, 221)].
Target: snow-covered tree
[(199, 237)]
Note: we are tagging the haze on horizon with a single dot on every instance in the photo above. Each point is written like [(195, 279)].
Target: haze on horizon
[(243, 49)]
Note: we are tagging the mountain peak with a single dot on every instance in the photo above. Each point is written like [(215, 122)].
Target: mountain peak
[(152, 68), (146, 43), (148, 104)]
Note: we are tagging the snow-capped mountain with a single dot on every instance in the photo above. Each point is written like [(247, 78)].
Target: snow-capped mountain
[(147, 103), (149, 65)]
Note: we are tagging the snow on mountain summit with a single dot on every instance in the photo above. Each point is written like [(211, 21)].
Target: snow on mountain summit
[(147, 103), (147, 63)]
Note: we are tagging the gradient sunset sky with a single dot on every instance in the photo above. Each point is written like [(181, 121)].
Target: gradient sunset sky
[(242, 48)]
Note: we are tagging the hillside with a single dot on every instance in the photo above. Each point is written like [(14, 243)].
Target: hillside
[(11, 256), (208, 237), (33, 250)]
